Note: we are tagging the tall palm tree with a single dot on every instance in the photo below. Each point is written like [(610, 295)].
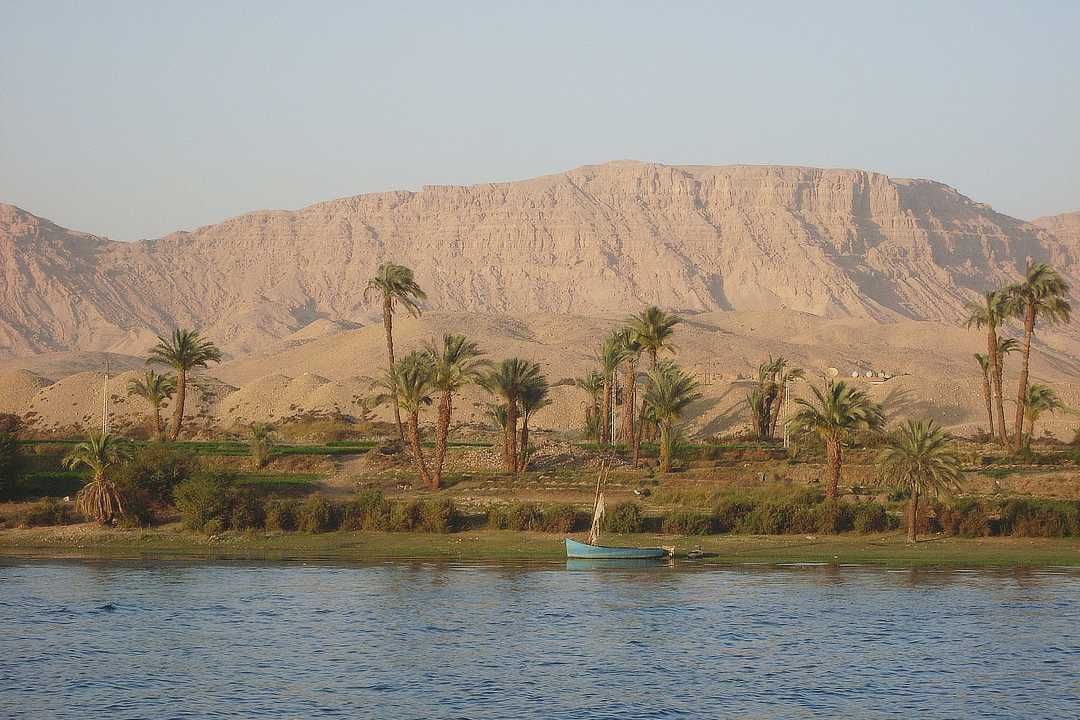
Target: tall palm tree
[(183, 351), (155, 389), (631, 355), (99, 498), (1042, 294), (592, 383), (919, 457), (508, 380), (990, 313), (984, 364), (670, 390), (1039, 399), (653, 329), (612, 354), (409, 380), (533, 398), (394, 285), (762, 398), (836, 414), (785, 375), (453, 366)]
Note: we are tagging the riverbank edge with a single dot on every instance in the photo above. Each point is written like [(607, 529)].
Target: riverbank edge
[(889, 549)]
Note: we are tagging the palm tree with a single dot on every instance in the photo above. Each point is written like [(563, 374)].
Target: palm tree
[(785, 376), (653, 329), (508, 380), (183, 351), (1039, 399), (533, 398), (593, 384), (991, 313), (838, 413), (409, 382), (1042, 294), (918, 457), (984, 364), (262, 440), (631, 354), (155, 389), (670, 391), (612, 354), (453, 366), (762, 398), (99, 498), (394, 284)]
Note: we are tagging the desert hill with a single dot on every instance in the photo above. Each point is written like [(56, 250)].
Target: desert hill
[(591, 241)]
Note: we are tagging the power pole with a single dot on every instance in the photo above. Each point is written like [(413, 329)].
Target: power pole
[(105, 401)]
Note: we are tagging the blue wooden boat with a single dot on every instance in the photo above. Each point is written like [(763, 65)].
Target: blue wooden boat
[(591, 549), (584, 551)]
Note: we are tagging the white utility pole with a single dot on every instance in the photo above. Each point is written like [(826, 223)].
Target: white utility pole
[(105, 401)]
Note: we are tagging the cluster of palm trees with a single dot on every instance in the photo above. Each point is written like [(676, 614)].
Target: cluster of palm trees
[(766, 400), (1042, 296), (412, 382), (183, 351), (665, 389)]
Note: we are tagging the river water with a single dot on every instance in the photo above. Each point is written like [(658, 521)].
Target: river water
[(168, 639)]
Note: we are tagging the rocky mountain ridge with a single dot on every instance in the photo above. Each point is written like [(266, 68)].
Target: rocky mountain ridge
[(597, 240)]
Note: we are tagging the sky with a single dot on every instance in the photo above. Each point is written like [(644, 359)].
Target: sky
[(134, 119)]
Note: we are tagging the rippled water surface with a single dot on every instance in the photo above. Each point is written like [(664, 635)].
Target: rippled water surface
[(429, 640)]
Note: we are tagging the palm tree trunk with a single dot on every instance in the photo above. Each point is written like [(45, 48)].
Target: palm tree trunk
[(1021, 394), (665, 451), (605, 429), (510, 436), (987, 398), (388, 325), (913, 515), (523, 450), (181, 398), (996, 366), (776, 413), (442, 433), (641, 417), (159, 428), (418, 450), (836, 461), (630, 401)]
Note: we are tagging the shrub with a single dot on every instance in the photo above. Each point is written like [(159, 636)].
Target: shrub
[(623, 518), (368, 511), (48, 511), (730, 510), (438, 516), (560, 518), (315, 515), (246, 511), (403, 516), (870, 518), (11, 463), (834, 518), (516, 516), (964, 518), (154, 472), (281, 515), (687, 522), (202, 498), (1040, 518)]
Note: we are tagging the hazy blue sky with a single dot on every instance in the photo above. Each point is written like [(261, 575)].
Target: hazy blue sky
[(134, 119)]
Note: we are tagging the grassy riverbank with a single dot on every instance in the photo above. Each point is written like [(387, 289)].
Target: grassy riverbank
[(86, 541)]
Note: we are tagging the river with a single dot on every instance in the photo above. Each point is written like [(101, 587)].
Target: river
[(171, 639)]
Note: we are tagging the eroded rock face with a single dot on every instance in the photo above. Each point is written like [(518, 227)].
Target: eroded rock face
[(595, 240)]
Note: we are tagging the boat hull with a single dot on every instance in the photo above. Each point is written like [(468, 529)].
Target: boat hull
[(583, 551)]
